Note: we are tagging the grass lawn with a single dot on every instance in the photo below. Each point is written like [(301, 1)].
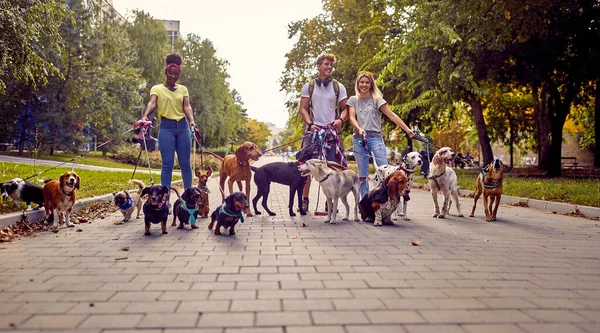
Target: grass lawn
[(93, 183), (578, 191)]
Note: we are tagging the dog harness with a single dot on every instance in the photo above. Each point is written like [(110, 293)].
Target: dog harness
[(239, 215), (127, 205), (191, 220), (434, 178)]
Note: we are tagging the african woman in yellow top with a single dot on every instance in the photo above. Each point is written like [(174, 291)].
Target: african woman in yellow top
[(172, 101)]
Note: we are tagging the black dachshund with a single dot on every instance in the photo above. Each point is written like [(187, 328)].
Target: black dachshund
[(156, 209), (186, 208), (229, 213)]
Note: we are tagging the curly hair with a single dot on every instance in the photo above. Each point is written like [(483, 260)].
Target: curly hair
[(174, 58), (326, 56)]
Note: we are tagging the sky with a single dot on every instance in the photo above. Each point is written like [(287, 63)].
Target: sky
[(250, 34)]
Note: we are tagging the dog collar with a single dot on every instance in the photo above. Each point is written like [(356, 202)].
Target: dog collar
[(224, 210), (191, 212), (324, 179), (203, 188), (243, 163), (65, 193), (406, 170), (127, 205)]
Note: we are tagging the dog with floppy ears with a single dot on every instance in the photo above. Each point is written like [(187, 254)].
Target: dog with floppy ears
[(59, 197), (442, 178), (186, 208), (489, 183), (336, 182), (156, 209), (203, 204), (237, 168), (127, 202), (379, 204), (21, 190), (229, 213), (410, 162)]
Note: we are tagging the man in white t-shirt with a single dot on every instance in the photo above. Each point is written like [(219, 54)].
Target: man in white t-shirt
[(322, 103)]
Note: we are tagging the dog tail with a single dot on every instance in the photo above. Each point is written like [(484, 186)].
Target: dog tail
[(139, 183), (176, 192), (374, 160), (213, 155)]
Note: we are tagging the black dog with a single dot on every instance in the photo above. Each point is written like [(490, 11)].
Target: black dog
[(156, 210), (22, 190), (229, 213), (285, 173), (186, 208)]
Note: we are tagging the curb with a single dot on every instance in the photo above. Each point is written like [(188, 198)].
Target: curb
[(548, 206), (37, 215)]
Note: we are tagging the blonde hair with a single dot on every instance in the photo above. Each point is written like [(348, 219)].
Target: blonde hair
[(375, 92)]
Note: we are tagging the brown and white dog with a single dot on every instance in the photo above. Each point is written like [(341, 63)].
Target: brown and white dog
[(59, 197), (443, 178), (489, 183), (203, 204), (379, 204), (409, 164), (236, 168), (335, 183), (127, 202)]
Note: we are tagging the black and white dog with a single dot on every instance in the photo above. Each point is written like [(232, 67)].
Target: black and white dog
[(22, 190), (409, 163)]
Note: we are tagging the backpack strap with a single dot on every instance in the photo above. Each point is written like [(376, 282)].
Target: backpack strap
[(336, 89)]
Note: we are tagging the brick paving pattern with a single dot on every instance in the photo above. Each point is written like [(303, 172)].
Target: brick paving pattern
[(528, 272)]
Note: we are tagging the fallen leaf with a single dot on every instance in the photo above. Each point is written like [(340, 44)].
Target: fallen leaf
[(304, 225), (294, 237), (123, 258), (415, 242), (78, 230), (125, 248), (92, 305), (486, 240)]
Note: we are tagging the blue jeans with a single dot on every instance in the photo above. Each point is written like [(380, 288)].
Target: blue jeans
[(362, 153), (175, 136)]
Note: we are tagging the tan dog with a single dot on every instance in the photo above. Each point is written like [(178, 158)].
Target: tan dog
[(236, 168), (203, 205), (489, 183), (336, 184), (127, 202), (59, 197), (443, 178)]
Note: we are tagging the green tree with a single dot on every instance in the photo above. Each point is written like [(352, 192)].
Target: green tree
[(258, 132)]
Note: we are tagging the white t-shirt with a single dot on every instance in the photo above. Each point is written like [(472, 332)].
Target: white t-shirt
[(323, 102)]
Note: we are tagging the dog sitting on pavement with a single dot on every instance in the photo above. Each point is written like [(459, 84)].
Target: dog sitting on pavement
[(443, 178), (156, 209), (21, 190), (203, 204), (336, 182), (229, 213), (378, 205), (489, 183), (127, 202), (185, 208), (409, 164)]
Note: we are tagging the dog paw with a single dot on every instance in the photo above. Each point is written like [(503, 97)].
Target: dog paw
[(435, 215), (147, 234), (272, 214), (406, 218), (179, 226), (461, 215), (54, 230), (257, 213), (217, 233), (471, 215), (210, 226), (165, 232), (232, 233), (195, 227), (294, 214), (327, 221), (441, 216), (332, 222)]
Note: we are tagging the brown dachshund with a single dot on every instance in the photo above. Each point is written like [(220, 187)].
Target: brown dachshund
[(203, 206), (237, 168), (489, 183)]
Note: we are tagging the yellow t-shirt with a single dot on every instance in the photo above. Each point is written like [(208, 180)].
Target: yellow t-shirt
[(169, 103)]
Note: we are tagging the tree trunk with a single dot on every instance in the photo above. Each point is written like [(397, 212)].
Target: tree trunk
[(484, 139), (561, 110), (542, 122), (597, 124)]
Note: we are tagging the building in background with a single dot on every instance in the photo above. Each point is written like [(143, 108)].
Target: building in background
[(172, 29)]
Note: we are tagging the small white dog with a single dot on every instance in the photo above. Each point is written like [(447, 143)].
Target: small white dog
[(336, 184), (443, 178), (409, 163)]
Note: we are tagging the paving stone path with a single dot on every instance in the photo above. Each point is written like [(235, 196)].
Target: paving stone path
[(528, 272)]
